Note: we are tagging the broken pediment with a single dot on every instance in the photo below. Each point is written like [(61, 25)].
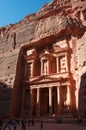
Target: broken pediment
[(58, 49), (62, 43), (29, 52), (60, 46)]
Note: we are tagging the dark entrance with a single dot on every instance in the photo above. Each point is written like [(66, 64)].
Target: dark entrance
[(82, 96), (44, 102)]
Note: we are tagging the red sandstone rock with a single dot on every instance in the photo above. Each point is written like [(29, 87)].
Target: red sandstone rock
[(55, 21)]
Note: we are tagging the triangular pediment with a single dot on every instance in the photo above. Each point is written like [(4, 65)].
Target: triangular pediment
[(44, 79)]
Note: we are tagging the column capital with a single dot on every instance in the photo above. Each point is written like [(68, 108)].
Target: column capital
[(50, 87), (68, 84), (38, 88)]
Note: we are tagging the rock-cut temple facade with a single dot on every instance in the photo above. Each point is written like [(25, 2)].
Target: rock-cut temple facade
[(49, 68), (48, 87)]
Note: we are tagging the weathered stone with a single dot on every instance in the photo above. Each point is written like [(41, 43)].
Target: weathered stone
[(60, 22)]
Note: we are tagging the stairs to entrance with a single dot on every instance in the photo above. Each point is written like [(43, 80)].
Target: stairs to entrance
[(59, 119), (68, 118)]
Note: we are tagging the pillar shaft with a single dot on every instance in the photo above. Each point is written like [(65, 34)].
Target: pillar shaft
[(41, 67), (57, 63), (66, 62), (48, 67), (38, 101), (68, 97), (50, 101), (31, 103), (58, 100), (32, 69)]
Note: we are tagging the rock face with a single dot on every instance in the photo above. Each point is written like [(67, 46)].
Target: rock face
[(56, 21)]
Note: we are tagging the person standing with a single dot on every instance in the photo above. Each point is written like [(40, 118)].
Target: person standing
[(6, 127), (41, 125), (23, 124)]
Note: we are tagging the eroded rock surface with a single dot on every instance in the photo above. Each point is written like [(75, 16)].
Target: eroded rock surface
[(57, 19)]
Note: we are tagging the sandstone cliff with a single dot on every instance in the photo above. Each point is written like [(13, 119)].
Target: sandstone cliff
[(55, 20)]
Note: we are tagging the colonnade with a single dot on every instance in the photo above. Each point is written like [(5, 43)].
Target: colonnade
[(50, 92)]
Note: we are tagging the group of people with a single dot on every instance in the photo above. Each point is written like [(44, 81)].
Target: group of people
[(12, 124)]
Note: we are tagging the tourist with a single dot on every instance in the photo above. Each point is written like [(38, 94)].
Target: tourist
[(1, 122), (41, 125), (15, 123), (23, 124), (33, 122), (6, 127), (29, 121)]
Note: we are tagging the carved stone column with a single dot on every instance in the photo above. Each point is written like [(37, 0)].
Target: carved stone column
[(31, 102), (41, 67), (50, 101), (66, 62), (32, 69), (58, 100), (38, 101), (68, 96), (57, 64), (48, 67)]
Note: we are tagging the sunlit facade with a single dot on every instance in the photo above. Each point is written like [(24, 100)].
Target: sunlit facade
[(47, 87)]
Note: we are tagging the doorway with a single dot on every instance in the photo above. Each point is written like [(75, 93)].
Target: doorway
[(44, 102)]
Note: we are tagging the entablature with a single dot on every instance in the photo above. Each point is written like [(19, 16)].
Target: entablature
[(50, 78)]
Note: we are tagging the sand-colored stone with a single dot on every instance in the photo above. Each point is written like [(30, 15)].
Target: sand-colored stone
[(57, 30)]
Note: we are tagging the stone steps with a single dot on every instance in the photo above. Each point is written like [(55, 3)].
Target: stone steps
[(67, 119)]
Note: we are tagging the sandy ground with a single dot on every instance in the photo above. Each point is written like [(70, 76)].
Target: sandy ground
[(49, 124), (53, 126)]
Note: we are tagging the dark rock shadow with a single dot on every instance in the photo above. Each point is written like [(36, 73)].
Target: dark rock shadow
[(82, 96), (5, 97)]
